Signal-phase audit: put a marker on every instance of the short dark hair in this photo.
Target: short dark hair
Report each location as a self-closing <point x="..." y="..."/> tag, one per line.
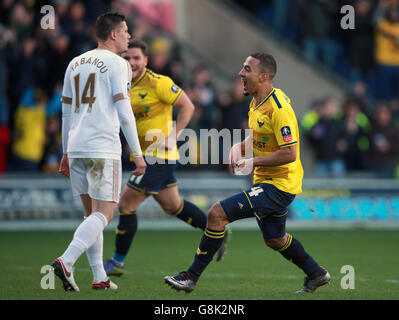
<point x="267" y="64"/>
<point x="137" y="43"/>
<point x="106" y="23"/>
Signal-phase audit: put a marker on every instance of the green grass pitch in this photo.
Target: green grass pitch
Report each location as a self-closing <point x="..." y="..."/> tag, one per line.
<point x="249" y="271"/>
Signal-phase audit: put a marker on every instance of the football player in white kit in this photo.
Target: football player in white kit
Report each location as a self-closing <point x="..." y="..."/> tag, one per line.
<point x="95" y="106"/>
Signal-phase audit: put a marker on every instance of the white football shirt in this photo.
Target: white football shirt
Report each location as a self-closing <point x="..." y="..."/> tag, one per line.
<point x="93" y="82"/>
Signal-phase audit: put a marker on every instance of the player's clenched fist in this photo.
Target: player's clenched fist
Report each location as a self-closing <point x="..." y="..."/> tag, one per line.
<point x="64" y="166"/>
<point x="235" y="155"/>
<point x="140" y="166"/>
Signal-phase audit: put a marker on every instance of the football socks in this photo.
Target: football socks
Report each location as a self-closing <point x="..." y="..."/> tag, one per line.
<point x="125" y="233"/>
<point x="95" y="257"/>
<point x="210" y="243"/>
<point x="294" y="251"/>
<point x="191" y="214"/>
<point x="84" y="237"/>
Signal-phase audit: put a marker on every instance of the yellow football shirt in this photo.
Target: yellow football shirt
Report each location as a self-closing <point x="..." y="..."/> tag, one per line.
<point x="387" y="48"/>
<point x="152" y="98"/>
<point x="274" y="126"/>
<point x="30" y="124"/>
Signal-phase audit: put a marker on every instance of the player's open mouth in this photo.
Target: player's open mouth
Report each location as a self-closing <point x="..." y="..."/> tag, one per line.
<point x="244" y="82"/>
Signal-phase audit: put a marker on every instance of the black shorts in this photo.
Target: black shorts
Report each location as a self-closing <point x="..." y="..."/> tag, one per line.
<point x="156" y="177"/>
<point x="265" y="202"/>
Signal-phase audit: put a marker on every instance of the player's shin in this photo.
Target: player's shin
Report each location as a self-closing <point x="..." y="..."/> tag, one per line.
<point x="210" y="243"/>
<point x="85" y="236"/>
<point x="191" y="214"/>
<point x="95" y="257"/>
<point x="294" y="252"/>
<point x="125" y="232"/>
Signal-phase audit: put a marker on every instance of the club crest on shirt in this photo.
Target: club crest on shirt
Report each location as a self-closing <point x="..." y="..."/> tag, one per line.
<point x="174" y="88"/>
<point x="143" y="95"/>
<point x="286" y="133"/>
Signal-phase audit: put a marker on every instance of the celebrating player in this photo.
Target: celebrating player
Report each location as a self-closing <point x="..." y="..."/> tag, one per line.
<point x="95" y="105"/>
<point x="277" y="178"/>
<point x="153" y="97"/>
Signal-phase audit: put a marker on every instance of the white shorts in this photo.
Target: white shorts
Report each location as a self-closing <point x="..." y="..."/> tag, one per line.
<point x="99" y="178"/>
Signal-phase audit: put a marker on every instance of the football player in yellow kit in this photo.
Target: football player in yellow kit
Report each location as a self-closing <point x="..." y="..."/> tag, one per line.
<point x="153" y="97"/>
<point x="277" y="179"/>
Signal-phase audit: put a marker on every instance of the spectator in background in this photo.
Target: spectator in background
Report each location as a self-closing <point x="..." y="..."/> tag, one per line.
<point x="203" y="96"/>
<point x="29" y="134"/>
<point x="176" y="63"/>
<point x="5" y="11"/>
<point x="387" y="54"/>
<point x="52" y="153"/>
<point x="161" y="60"/>
<point x="54" y="105"/>
<point x="159" y="56"/>
<point x="394" y="106"/>
<point x="286" y="18"/>
<point x="233" y="107"/>
<point x="359" y="93"/>
<point x="61" y="12"/>
<point x="24" y="68"/>
<point x="318" y="18"/>
<point x="356" y="127"/>
<point x="325" y="131"/>
<point x="21" y="20"/>
<point x="77" y="29"/>
<point x="5" y="134"/>
<point x="360" y="42"/>
<point x="5" y="137"/>
<point x="59" y="58"/>
<point x="96" y="8"/>
<point x="384" y="148"/>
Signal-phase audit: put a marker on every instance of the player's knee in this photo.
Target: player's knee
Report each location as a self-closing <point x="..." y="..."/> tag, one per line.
<point x="171" y="207"/>
<point x="216" y="215"/>
<point x="275" y="243"/>
<point x="124" y="205"/>
<point x="171" y="210"/>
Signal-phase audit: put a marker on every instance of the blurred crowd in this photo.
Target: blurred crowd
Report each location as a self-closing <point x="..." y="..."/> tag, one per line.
<point x="346" y="136"/>
<point x="368" y="53"/>
<point x="33" y="61"/>
<point x="360" y="133"/>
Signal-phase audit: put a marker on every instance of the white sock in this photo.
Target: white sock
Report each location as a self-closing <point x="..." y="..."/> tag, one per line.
<point x="95" y="257"/>
<point x="85" y="236"/>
